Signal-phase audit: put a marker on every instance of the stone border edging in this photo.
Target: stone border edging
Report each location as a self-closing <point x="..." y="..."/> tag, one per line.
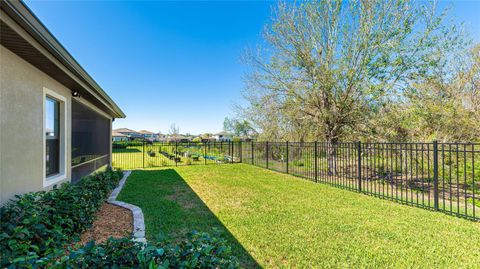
<point x="137" y="214"/>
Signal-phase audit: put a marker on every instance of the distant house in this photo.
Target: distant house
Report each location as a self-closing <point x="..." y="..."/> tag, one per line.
<point x="208" y="139"/>
<point x="222" y="137"/>
<point x="162" y="137"/>
<point x="55" y="119"/>
<point x="131" y="134"/>
<point x="150" y="136"/>
<point x="178" y="138"/>
<point x="116" y="137"/>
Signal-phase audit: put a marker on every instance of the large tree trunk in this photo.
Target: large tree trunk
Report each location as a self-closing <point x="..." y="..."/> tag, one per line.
<point x="332" y="158"/>
<point x="332" y="155"/>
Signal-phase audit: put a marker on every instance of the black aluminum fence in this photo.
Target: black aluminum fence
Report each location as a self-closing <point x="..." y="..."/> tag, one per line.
<point x="437" y="176"/>
<point x="144" y="154"/>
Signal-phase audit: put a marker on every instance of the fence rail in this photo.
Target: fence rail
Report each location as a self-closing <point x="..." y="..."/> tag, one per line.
<point x="437" y="176"/>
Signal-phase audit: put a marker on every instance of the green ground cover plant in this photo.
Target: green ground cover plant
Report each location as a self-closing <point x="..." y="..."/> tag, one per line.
<point x="276" y="220"/>
<point x="39" y="224"/>
<point x="198" y="250"/>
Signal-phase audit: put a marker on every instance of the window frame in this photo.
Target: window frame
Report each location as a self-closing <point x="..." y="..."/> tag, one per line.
<point x="62" y="111"/>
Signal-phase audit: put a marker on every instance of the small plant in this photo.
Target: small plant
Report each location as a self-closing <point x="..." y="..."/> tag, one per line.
<point x="188" y="161"/>
<point x="299" y="163"/>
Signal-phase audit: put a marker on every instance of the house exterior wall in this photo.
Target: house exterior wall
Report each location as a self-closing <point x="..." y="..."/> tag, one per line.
<point x="21" y="120"/>
<point x="23" y="89"/>
<point x="119" y="138"/>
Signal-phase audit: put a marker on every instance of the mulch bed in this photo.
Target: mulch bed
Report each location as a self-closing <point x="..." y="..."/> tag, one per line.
<point x="111" y="221"/>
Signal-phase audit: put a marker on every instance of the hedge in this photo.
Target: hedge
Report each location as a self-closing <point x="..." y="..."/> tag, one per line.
<point x="125" y="144"/>
<point x="40" y="224"/>
<point x="199" y="250"/>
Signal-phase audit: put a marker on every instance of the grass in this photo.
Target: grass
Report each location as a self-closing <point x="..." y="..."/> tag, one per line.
<point x="133" y="157"/>
<point x="277" y="220"/>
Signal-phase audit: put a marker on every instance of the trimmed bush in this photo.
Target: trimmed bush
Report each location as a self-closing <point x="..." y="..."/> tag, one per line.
<point x="119" y="145"/>
<point x="125" y="144"/>
<point x="199" y="250"/>
<point x="40" y="224"/>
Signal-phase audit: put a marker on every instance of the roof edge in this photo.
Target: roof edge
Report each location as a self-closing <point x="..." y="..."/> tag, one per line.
<point x="22" y="14"/>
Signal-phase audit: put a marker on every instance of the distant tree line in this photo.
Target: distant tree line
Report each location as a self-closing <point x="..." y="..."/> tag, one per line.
<point x="389" y="70"/>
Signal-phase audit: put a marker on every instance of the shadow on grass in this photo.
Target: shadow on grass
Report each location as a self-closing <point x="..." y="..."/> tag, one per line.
<point x="172" y="209"/>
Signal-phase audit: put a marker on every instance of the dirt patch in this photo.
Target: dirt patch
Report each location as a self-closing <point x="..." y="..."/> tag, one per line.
<point x="111" y="221"/>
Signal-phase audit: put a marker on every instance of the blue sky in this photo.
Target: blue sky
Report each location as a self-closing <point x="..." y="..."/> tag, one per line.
<point x="172" y="62"/>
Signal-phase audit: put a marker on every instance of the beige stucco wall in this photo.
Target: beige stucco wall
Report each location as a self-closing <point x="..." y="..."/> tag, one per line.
<point x="21" y="125"/>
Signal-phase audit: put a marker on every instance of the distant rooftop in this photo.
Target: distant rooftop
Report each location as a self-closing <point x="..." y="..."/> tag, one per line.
<point x="145" y="132"/>
<point x="117" y="134"/>
<point x="124" y="130"/>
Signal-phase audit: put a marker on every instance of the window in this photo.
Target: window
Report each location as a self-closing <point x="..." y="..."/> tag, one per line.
<point x="52" y="136"/>
<point x="54" y="139"/>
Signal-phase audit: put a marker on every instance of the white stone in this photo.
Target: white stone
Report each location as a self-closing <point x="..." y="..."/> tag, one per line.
<point x="137" y="214"/>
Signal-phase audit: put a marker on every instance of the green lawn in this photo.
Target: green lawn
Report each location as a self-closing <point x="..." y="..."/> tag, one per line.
<point x="134" y="157"/>
<point x="276" y="220"/>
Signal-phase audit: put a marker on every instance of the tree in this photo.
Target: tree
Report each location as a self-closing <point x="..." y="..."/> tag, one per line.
<point x="442" y="106"/>
<point x="238" y="127"/>
<point x="174" y="131"/>
<point x="330" y="66"/>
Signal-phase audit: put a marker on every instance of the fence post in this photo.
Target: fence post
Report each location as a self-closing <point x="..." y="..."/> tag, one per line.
<point x="229" y="148"/>
<point x="266" y="149"/>
<point x="287" y="157"/>
<point x="435" y="175"/>
<point x="176" y="152"/>
<point x="241" y="153"/>
<point x="231" y="152"/>
<point x="143" y="153"/>
<point x="316" y="163"/>
<point x="205" y="152"/>
<point x="359" y="165"/>
<point x="252" y="154"/>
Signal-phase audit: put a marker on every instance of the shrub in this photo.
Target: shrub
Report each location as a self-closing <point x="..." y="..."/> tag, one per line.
<point x="40" y="224"/>
<point x="125" y="144"/>
<point x="188" y="161"/>
<point x="199" y="250"/>
<point x="119" y="145"/>
<point x="222" y="159"/>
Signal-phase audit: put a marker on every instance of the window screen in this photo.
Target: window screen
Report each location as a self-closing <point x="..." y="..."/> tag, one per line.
<point x="90" y="140"/>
